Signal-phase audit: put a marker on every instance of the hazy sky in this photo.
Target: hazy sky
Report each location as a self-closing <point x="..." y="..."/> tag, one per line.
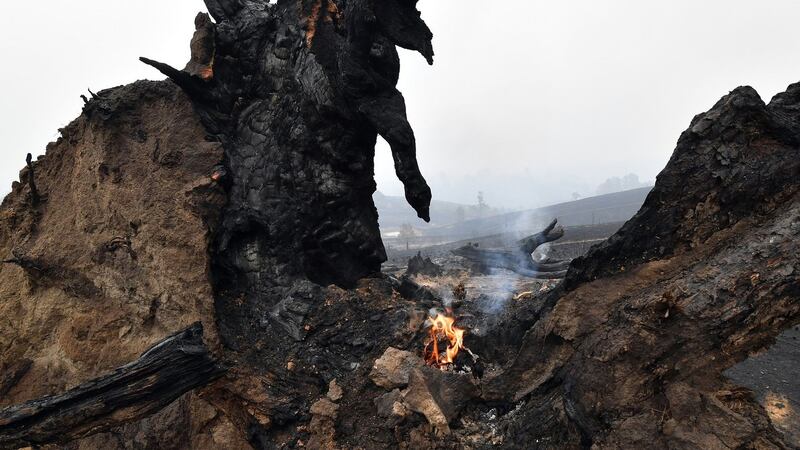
<point x="528" y="100"/>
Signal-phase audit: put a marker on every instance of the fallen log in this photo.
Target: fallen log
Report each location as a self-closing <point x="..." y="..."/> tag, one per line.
<point x="519" y="260"/>
<point x="166" y="371"/>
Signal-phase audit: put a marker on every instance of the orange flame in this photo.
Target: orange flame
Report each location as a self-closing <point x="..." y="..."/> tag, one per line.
<point x="313" y="18"/>
<point x="442" y="327"/>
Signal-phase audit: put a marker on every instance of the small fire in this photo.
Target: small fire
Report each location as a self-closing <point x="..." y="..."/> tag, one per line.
<point x="443" y="329"/>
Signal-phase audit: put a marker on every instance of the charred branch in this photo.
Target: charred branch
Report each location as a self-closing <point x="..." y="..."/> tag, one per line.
<point x="32" y="181"/>
<point x="223" y="9"/>
<point x="520" y="260"/>
<point x="388" y="116"/>
<point x="166" y="371"/>
<point x="424" y="266"/>
<point x="551" y="233"/>
<point x="85" y="99"/>
<point x="192" y="84"/>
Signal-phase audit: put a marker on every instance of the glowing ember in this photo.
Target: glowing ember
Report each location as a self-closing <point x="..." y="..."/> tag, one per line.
<point x="207" y="72"/>
<point x="442" y="329"/>
<point x="312" y="23"/>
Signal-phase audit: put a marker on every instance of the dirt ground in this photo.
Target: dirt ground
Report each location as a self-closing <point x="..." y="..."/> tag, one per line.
<point x="774" y="378"/>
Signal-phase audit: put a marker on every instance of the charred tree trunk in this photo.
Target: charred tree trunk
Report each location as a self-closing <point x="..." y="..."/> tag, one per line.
<point x="298" y="92"/>
<point x="520" y="260"/>
<point x="168" y="370"/>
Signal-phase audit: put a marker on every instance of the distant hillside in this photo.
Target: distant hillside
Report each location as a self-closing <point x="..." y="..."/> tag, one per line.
<point x="602" y="209"/>
<point x="616" y="207"/>
<point x="394" y="211"/>
<point x="576" y="241"/>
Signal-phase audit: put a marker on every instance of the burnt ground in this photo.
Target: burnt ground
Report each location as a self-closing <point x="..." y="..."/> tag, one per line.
<point x="135" y="229"/>
<point x="576" y="241"/>
<point x="332" y="333"/>
<point x="503" y="298"/>
<point x="774" y="377"/>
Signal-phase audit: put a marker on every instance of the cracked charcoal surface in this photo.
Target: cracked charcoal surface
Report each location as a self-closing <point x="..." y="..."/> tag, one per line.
<point x="299" y="93"/>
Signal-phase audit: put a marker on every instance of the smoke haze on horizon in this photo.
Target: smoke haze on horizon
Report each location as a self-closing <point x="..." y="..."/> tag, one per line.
<point x="528" y="101"/>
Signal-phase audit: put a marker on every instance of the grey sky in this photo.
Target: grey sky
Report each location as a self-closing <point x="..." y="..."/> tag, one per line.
<point x="528" y="101"/>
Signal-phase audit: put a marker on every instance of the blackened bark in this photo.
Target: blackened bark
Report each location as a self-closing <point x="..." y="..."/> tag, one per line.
<point x="297" y="92"/>
<point x="169" y="369"/>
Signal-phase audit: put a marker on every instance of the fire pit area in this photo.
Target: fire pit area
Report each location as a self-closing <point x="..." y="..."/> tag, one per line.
<point x="408" y="367"/>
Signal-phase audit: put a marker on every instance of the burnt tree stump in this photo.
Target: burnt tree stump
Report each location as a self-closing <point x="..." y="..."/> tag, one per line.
<point x="297" y="92"/>
<point x="520" y="259"/>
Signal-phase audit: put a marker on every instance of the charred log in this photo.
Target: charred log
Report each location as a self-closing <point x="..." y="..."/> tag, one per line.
<point x="169" y="369"/>
<point x="418" y="265"/>
<point x="520" y="260"/>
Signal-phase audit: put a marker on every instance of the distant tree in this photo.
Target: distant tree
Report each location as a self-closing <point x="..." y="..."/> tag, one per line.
<point x="613" y="184"/>
<point x="407" y="233"/>
<point x="575" y="196"/>
<point x="482" y="206"/>
<point x="461" y="214"/>
<point x="617" y="184"/>
<point x="631" y="181"/>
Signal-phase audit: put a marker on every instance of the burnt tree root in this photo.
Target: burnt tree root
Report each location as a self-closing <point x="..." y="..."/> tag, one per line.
<point x="519" y="260"/>
<point x="171" y="368"/>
